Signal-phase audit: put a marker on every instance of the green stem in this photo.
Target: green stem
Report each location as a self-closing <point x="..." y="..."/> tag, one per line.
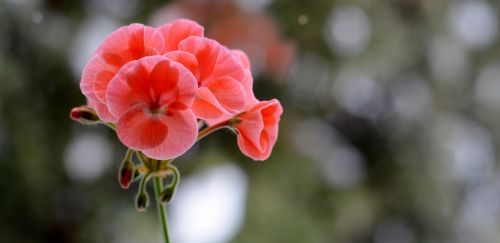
<point x="177" y="176"/>
<point x="142" y="184"/>
<point x="207" y="131"/>
<point x="129" y="154"/>
<point x="158" y="183"/>
<point x="108" y="124"/>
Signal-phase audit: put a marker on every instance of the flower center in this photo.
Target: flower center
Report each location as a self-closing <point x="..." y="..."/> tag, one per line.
<point x="157" y="108"/>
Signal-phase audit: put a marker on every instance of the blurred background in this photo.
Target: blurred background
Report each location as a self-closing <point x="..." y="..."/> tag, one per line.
<point x="390" y="134"/>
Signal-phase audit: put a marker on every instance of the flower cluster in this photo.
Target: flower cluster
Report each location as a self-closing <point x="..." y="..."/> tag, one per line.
<point x="156" y="84"/>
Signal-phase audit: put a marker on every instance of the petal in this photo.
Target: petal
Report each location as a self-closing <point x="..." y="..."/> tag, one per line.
<point x="206" y="52"/>
<point x="221" y="118"/>
<point x="272" y="112"/>
<point x="119" y="95"/>
<point x="101" y="81"/>
<point x="177" y="31"/>
<point x="94" y="66"/>
<point x="227" y="65"/>
<point x="133" y="42"/>
<point x="249" y="149"/>
<point x="140" y="130"/>
<point x="242" y="57"/>
<point x="206" y="105"/>
<point x="247" y="84"/>
<point x="164" y="77"/>
<point x="258" y="130"/>
<point x="138" y="81"/>
<point x="251" y="126"/>
<point x="182" y="134"/>
<point x="229" y="93"/>
<point x="102" y="111"/>
<point x="186" y="59"/>
<point x="214" y="60"/>
<point x="187" y="86"/>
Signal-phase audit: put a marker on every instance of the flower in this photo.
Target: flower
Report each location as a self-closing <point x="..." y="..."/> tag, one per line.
<point x="247" y="85"/>
<point x="219" y="73"/>
<point x="258" y="129"/>
<point x="152" y="97"/>
<point x="124" y="45"/>
<point x="220" y="77"/>
<point x="154" y="83"/>
<point x="258" y="123"/>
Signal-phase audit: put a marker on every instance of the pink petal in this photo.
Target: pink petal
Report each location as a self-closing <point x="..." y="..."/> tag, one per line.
<point x="102" y="111"/>
<point x="249" y="149"/>
<point x="95" y="65"/>
<point x="206" y="52"/>
<point x="101" y="81"/>
<point x="247" y="84"/>
<point x="185" y="58"/>
<point x="182" y="134"/>
<point x="138" y="81"/>
<point x="120" y="97"/>
<point x="229" y="93"/>
<point x="140" y="130"/>
<point x="251" y="126"/>
<point x="206" y="105"/>
<point x="227" y="65"/>
<point x="187" y="86"/>
<point x="250" y="101"/>
<point x="177" y="31"/>
<point x="258" y="130"/>
<point x="242" y="57"/>
<point x="214" y="60"/>
<point x="164" y="77"/>
<point x="133" y="42"/>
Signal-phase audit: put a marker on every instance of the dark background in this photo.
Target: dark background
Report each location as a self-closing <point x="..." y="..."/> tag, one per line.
<point x="390" y="130"/>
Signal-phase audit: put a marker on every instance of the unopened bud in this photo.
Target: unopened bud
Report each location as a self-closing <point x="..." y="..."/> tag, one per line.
<point x="126" y="174"/>
<point x="141" y="201"/>
<point x="167" y="194"/>
<point x="84" y="115"/>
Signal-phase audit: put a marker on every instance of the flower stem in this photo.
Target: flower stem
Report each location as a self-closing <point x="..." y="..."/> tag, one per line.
<point x="162" y="213"/>
<point x="227" y="123"/>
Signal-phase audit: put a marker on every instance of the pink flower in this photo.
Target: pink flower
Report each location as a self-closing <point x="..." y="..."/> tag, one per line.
<point x="151" y="98"/>
<point x="124" y="45"/>
<point x="155" y="82"/>
<point x="247" y="82"/>
<point x="247" y="85"/>
<point x="258" y="129"/>
<point x="220" y="77"/>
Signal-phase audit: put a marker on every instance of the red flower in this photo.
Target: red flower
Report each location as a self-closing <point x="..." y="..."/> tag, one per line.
<point x="124" y="45"/>
<point x="258" y="129"/>
<point x="219" y="73"/>
<point x="155" y="83"/>
<point x="151" y="97"/>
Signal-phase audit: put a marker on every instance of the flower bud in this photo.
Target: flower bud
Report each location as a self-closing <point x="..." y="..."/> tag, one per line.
<point x="84" y="115"/>
<point x="167" y="194"/>
<point x="126" y="174"/>
<point x="141" y="201"/>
